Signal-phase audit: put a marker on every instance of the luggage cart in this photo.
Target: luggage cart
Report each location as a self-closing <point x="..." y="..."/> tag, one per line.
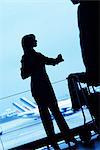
<point x="82" y="94"/>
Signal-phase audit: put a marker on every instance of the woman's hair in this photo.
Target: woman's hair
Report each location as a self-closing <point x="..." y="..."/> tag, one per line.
<point x="27" y="41"/>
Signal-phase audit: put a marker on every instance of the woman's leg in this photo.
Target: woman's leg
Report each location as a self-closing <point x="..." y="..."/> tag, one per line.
<point x="62" y="124"/>
<point x="48" y="125"/>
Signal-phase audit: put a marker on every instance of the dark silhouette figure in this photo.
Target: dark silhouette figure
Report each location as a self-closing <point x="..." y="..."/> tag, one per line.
<point x="88" y="23"/>
<point x="33" y="64"/>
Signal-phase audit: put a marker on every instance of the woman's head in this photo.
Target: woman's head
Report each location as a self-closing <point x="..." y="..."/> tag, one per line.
<point x="29" y="41"/>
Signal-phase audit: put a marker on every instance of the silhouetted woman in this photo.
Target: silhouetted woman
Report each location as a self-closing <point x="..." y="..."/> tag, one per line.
<point x="33" y="64"/>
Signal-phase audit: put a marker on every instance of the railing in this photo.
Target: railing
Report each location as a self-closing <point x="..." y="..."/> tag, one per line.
<point x="19" y="93"/>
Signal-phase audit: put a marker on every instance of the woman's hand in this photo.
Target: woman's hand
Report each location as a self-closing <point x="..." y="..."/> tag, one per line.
<point x="59" y="58"/>
<point x="75" y="1"/>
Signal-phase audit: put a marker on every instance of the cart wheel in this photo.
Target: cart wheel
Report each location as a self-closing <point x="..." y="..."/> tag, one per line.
<point x="85" y="136"/>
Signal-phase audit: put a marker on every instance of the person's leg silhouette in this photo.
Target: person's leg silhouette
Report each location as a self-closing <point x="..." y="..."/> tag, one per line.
<point x="48" y="125"/>
<point x="64" y="128"/>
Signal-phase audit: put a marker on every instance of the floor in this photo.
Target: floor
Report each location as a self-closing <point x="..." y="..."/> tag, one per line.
<point x="94" y="144"/>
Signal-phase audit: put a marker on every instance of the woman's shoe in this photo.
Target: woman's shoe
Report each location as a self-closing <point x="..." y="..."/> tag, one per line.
<point x="56" y="147"/>
<point x="73" y="140"/>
